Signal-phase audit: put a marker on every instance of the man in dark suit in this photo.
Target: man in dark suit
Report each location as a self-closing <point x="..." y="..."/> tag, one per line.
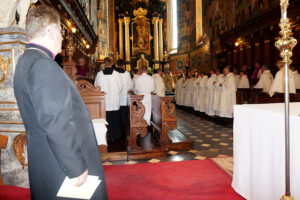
<point x="59" y="131"/>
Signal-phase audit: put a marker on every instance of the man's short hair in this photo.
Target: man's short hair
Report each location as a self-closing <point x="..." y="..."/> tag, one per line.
<point x="38" y="18"/>
<point x="264" y="67"/>
<point x="120" y="63"/>
<point x="107" y="60"/>
<point x="143" y="67"/>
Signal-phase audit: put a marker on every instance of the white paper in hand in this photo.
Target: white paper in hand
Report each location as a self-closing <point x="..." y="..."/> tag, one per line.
<point x="86" y="191"/>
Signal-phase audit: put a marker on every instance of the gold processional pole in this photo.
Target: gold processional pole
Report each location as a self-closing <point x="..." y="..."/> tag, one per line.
<point x="285" y="45"/>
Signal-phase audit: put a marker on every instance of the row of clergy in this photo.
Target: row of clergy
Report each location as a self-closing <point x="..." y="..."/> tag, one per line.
<point x="116" y="82"/>
<point x="216" y="95"/>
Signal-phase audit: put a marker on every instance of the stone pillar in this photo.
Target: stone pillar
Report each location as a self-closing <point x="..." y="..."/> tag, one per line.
<point x="127" y="42"/>
<point x="155" y="33"/>
<point x="70" y="65"/>
<point x="121" y="35"/>
<point x="161" y="43"/>
<point x="13" y="166"/>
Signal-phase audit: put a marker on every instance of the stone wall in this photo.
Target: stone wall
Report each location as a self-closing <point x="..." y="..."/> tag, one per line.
<point x="12" y="45"/>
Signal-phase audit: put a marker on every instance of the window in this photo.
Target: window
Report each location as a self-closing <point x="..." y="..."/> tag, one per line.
<point x="174" y="26"/>
<point x="172" y="33"/>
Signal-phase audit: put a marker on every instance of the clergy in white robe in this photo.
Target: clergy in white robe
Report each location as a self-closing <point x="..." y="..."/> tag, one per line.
<point x="124" y="99"/>
<point x="159" y="85"/>
<point x="228" y="94"/>
<point x="185" y="97"/>
<point x="144" y="85"/>
<point x="237" y="77"/>
<point x="200" y="106"/>
<point x="210" y="93"/>
<point x="278" y="83"/>
<point x="196" y="90"/>
<point x="217" y="92"/>
<point x="244" y="81"/>
<point x="296" y="77"/>
<point x="265" y="80"/>
<point x="110" y="82"/>
<point x="190" y="92"/>
<point x="179" y="88"/>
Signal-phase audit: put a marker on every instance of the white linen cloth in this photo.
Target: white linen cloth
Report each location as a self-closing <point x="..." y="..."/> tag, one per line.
<point x="265" y="81"/>
<point x="112" y="85"/>
<point x="258" y="151"/>
<point x="144" y="85"/>
<point x="100" y="130"/>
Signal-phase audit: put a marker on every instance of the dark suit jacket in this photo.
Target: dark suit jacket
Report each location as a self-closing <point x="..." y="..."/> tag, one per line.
<point x="59" y="131"/>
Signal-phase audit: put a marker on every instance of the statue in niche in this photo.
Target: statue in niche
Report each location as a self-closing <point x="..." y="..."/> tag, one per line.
<point x="8" y="11"/>
<point x="140" y="33"/>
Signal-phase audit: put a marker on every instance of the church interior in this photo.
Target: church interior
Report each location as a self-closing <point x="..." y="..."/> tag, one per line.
<point x="226" y="125"/>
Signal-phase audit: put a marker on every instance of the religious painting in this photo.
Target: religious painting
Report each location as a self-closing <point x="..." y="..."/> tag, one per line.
<point x="140" y="33"/>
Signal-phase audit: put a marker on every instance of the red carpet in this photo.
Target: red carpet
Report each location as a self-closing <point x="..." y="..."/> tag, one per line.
<point x="187" y="180"/>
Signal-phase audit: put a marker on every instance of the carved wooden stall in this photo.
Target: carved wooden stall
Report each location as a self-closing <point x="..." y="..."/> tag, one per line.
<point x="94" y="101"/>
<point x="164" y="121"/>
<point x="256" y="96"/>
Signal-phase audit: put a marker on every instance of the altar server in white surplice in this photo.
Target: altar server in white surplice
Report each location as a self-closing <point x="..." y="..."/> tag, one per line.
<point x="196" y="90"/>
<point x="159" y="85"/>
<point x="296" y="77"/>
<point x="144" y="85"/>
<point x="179" y="88"/>
<point x="124" y="98"/>
<point x="228" y="94"/>
<point x="110" y="82"/>
<point x="278" y="83"/>
<point x="210" y="93"/>
<point x="265" y="80"/>
<point x="217" y="92"/>
<point x="237" y="76"/>
<point x="185" y="97"/>
<point x="244" y="81"/>
<point x="202" y="94"/>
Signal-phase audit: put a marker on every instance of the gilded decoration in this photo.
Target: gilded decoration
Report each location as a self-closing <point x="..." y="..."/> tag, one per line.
<point x="19" y="149"/>
<point x="4" y="68"/>
<point x="142" y="61"/>
<point x="140" y="28"/>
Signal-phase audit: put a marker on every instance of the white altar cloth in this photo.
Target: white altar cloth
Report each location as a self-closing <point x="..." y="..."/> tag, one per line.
<point x="259" y="152"/>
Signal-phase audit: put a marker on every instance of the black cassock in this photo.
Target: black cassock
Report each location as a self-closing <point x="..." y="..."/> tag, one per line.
<point x="59" y="131"/>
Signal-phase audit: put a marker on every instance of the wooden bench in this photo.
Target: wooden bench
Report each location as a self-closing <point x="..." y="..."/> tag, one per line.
<point x="256" y="96"/>
<point x="94" y="100"/>
<point x="247" y="96"/>
<point x="164" y="121"/>
<point x="138" y="126"/>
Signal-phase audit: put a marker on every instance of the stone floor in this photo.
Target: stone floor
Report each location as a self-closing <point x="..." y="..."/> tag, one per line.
<point x="211" y="139"/>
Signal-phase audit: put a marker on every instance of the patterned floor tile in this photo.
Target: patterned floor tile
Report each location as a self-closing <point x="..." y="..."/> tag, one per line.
<point x="172" y="152"/>
<point x="107" y="163"/>
<point x="131" y="162"/>
<point x="193" y="151"/>
<point x="205" y="145"/>
<point x="153" y="161"/>
<point x="200" y="158"/>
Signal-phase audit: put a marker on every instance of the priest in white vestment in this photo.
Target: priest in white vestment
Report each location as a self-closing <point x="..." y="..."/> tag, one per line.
<point x="278" y="83"/>
<point x="210" y="93"/>
<point x="196" y="90"/>
<point x="200" y="106"/>
<point x="296" y="77"/>
<point x="265" y="80"/>
<point x="217" y="92"/>
<point x="191" y="89"/>
<point x="179" y="88"/>
<point x="244" y="81"/>
<point x="228" y="94"/>
<point x="110" y="82"/>
<point x="144" y="85"/>
<point x="185" y="92"/>
<point x="237" y="77"/>
<point x="159" y="85"/>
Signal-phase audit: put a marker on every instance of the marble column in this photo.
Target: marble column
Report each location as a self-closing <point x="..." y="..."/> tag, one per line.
<point x="121" y="35"/>
<point x="127" y="41"/>
<point x="155" y="33"/>
<point x="13" y="166"/>
<point x="161" y="43"/>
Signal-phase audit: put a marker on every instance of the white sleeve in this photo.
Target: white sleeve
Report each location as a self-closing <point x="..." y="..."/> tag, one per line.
<point x="129" y="81"/>
<point x="96" y="83"/>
